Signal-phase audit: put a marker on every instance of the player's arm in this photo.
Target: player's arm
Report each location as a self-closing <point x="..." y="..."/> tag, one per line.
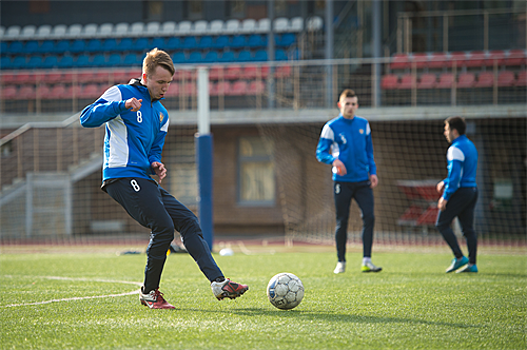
<point x="453" y="180"/>
<point x="154" y="156"/>
<point x="107" y="107"/>
<point x="324" y="146"/>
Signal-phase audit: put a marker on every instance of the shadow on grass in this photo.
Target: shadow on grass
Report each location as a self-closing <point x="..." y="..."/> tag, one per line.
<point x="330" y="317"/>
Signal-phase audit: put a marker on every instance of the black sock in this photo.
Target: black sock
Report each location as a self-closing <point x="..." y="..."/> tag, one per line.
<point x="219" y="279"/>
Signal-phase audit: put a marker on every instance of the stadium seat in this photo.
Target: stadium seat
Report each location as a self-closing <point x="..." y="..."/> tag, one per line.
<point x="195" y="57"/>
<point x="227" y="56"/>
<point x="74" y="31"/>
<point x="280" y="25"/>
<point x="239" y="88"/>
<point x="120" y="76"/>
<point x="297" y="24"/>
<point x="90" y="91"/>
<point x="52" y="77"/>
<point x="256" y="40"/>
<point x="459" y="58"/>
<point x="99" y="60"/>
<point x="221" y="42"/>
<point x="446" y="80"/>
<point x="216" y="27"/>
<point x="256" y="87"/>
<point x="43" y="92"/>
<point x="18" y="62"/>
<point x="282" y="71"/>
<point x="496" y="57"/>
<point x="159" y="42"/>
<point x="9" y="92"/>
<point x="437" y="60"/>
<point x="59" y="91"/>
<point x="3" y="47"/>
<point x="420" y="60"/>
<point x="78" y="46"/>
<point x="173" y="43"/>
<point x="522" y="79"/>
<point x="248" y="26"/>
<point x="516" y="58"/>
<point x="50" y="62"/>
<point x="26" y="78"/>
<point x="215" y="73"/>
<point x="280" y="55"/>
<point x="244" y="56"/>
<point x="466" y="80"/>
<point x="205" y="42"/>
<point x="179" y="57"/>
<point x="485" y="79"/>
<point x="400" y="61"/>
<point x="389" y="81"/>
<point x="168" y="28"/>
<point x="427" y="81"/>
<point x="200" y="27"/>
<point x="114" y="60"/>
<point x="506" y="78"/>
<point x="260" y="56"/>
<point x="65" y="61"/>
<point x="476" y="59"/>
<point x="121" y="29"/>
<point x="9" y="78"/>
<point x="238" y="41"/>
<point x="223" y="88"/>
<point x="125" y="45"/>
<point x="189" y="43"/>
<point x="232" y="26"/>
<point x="210" y="57"/>
<point x="83" y="61"/>
<point x="141" y="44"/>
<point x="136" y="29"/>
<point x="62" y="46"/>
<point x="13" y="32"/>
<point x="184" y="27"/>
<point x="173" y="90"/>
<point x="286" y="40"/>
<point x="90" y="30"/>
<point x="30" y="47"/>
<point x="105" y="30"/>
<point x="16" y="47"/>
<point x="109" y="45"/>
<point x="152" y="29"/>
<point x="130" y="59"/>
<point x="26" y="92"/>
<point x="28" y="32"/>
<point x="314" y="23"/>
<point x="6" y="63"/>
<point x="264" y="25"/>
<point x="34" y="62"/>
<point x="233" y="72"/>
<point x="94" y="45"/>
<point x="47" y="46"/>
<point x="407" y="82"/>
<point x="59" y="31"/>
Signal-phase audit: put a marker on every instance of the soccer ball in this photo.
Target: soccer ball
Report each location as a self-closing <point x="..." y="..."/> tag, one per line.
<point x="285" y="291"/>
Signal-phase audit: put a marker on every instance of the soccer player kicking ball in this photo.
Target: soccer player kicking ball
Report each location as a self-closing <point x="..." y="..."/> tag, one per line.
<point x="136" y="124"/>
<point x="460" y="194"/>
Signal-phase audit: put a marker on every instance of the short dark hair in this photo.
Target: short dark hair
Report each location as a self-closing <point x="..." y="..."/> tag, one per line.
<point x="457" y="123"/>
<point x="347" y="93"/>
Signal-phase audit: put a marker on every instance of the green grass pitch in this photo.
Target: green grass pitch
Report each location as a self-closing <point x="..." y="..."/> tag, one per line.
<point x="412" y="304"/>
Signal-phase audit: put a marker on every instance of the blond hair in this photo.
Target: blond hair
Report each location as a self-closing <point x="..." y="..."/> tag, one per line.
<point x="155" y="58"/>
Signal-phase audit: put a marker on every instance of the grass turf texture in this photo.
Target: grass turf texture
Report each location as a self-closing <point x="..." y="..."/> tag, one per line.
<point x="412" y="304"/>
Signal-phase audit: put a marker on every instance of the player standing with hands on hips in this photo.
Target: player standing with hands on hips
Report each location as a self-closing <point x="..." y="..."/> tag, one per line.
<point x="460" y="194"/>
<point x="136" y="124"/>
<point x="345" y="143"/>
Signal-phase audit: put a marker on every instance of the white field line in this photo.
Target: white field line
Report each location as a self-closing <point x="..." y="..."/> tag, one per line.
<point x="76" y="298"/>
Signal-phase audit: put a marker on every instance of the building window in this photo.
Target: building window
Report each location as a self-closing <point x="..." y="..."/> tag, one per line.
<point x="256" y="185"/>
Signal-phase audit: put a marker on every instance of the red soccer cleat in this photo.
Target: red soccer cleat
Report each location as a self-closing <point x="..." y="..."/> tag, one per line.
<point x="228" y="289"/>
<point x="154" y="300"/>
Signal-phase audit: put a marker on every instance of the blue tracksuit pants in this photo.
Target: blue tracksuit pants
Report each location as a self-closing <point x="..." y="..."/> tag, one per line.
<point x="154" y="208"/>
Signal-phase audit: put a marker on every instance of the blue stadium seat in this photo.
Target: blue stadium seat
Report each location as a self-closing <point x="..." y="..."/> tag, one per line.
<point x="260" y="56"/>
<point x="62" y="46"/>
<point x="19" y="62"/>
<point x="83" y="61"/>
<point x="221" y="42"/>
<point x="286" y="40"/>
<point x="257" y="40"/>
<point x="31" y="47"/>
<point x="16" y="47"/>
<point x="78" y="46"/>
<point x="244" y="56"/>
<point x="50" y="62"/>
<point x="94" y="45"/>
<point x="114" y="60"/>
<point x="280" y="55"/>
<point x="195" y="57"/>
<point x="3" y="47"/>
<point x="130" y="59"/>
<point x="210" y="57"/>
<point x="65" y="61"/>
<point x="109" y="45"/>
<point x="5" y="63"/>
<point x="99" y="60"/>
<point x="189" y="43"/>
<point x="126" y="44"/>
<point x="238" y="41"/>
<point x="34" y="62"/>
<point x="173" y="43"/>
<point x="47" y="46"/>
<point x="160" y="43"/>
<point x="179" y="57"/>
<point x="141" y="44"/>
<point x="227" y="56"/>
<point x="205" y="42"/>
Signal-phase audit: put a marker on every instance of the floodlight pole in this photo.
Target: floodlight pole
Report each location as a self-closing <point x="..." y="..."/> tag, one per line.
<point x="204" y="157"/>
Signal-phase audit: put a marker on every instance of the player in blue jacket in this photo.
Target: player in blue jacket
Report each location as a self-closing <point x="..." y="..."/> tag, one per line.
<point x="345" y="143"/>
<point x="460" y="194"/>
<point x="136" y="124"/>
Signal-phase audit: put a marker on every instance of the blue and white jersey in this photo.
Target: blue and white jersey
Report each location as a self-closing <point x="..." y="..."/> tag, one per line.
<point x="462" y="158"/>
<point x="133" y="140"/>
<point x="348" y="140"/>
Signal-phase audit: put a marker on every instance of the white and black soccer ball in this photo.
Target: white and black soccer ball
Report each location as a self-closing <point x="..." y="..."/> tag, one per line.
<point x="285" y="291"/>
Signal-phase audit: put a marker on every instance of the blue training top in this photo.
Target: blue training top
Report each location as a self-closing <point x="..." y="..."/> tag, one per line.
<point x="133" y="140"/>
<point x="462" y="158"/>
<point x="348" y="140"/>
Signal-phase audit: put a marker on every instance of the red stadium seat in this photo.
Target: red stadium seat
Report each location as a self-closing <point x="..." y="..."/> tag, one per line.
<point x="188" y="89"/>
<point x="9" y="92"/>
<point x="458" y="57"/>
<point x="69" y="77"/>
<point x="446" y="80"/>
<point x="466" y="80"/>
<point x="400" y="61"/>
<point x="282" y="71"/>
<point x="438" y="60"/>
<point x="102" y="76"/>
<point x="239" y="88"/>
<point x="506" y="78"/>
<point x="522" y="78"/>
<point x="249" y="72"/>
<point x="420" y="59"/>
<point x="516" y="58"/>
<point x="27" y="92"/>
<point x="9" y="78"/>
<point x="476" y="59"/>
<point x="173" y="90"/>
<point x="485" y="79"/>
<point x="43" y="92"/>
<point x="223" y="88"/>
<point x="91" y="91"/>
<point x="389" y="82"/>
<point x="233" y="72"/>
<point x="256" y="87"/>
<point x="85" y="77"/>
<point x="26" y="78"/>
<point x="216" y="73"/>
<point x="496" y="56"/>
<point x="407" y="82"/>
<point x="52" y="78"/>
<point x="59" y="91"/>
<point x="121" y="76"/>
<point x="427" y="81"/>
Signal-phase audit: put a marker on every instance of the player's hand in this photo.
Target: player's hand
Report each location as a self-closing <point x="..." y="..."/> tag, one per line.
<point x="374" y="181"/>
<point x="133" y="103"/>
<point x="440" y="186"/>
<point x="160" y="170"/>
<point x="441" y="204"/>
<point x="341" y="168"/>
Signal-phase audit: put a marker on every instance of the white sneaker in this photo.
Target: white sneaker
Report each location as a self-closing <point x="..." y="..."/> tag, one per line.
<point x="369" y="267"/>
<point x="341" y="267"/>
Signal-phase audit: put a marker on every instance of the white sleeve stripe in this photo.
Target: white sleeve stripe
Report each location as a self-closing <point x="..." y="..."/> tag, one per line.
<point x="368" y="130"/>
<point x="327" y="133"/>
<point x="455" y="153"/>
<point x="112" y="94"/>
<point x="165" y="127"/>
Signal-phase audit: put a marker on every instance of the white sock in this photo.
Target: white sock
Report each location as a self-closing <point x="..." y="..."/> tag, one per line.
<point x="366" y="260"/>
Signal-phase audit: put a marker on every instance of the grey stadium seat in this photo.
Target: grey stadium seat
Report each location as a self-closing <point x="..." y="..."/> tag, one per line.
<point x="59" y="31"/>
<point x="152" y="28"/>
<point x="136" y="29"/>
<point x="28" y="32"/>
<point x="168" y="28"/>
<point x="216" y="27"/>
<point x="90" y="30"/>
<point x="281" y="25"/>
<point x="105" y="30"/>
<point x="121" y="29"/>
